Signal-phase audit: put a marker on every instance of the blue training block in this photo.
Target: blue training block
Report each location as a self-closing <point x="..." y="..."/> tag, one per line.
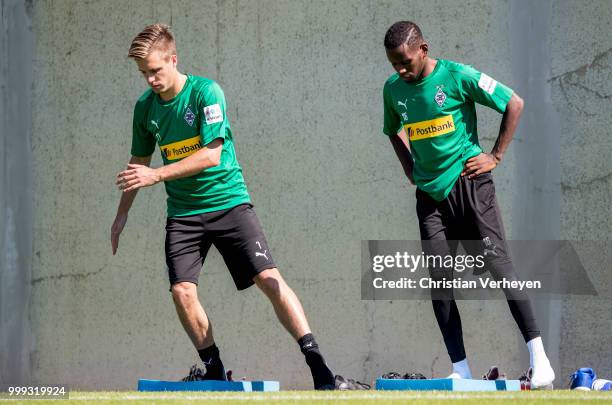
<point x="244" y="386"/>
<point x="157" y="385"/>
<point x="265" y="386"/>
<point x="448" y="384"/>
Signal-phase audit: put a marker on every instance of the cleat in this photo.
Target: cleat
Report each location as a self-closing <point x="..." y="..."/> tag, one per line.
<point x="525" y="380"/>
<point x="343" y="384"/>
<point x="582" y="379"/>
<point x="494" y="374"/>
<point x="392" y="375"/>
<point x="198" y="374"/>
<point x="195" y="374"/>
<point x="601" y="385"/>
<point x="414" y="376"/>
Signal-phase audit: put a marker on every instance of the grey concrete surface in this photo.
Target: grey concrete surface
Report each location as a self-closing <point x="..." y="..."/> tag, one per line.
<point x="581" y="87"/>
<point x="303" y="82"/>
<point x="537" y="142"/>
<point x="16" y="54"/>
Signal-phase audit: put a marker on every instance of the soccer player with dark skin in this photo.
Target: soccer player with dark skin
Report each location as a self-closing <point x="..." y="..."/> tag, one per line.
<point x="208" y="202"/>
<point x="432" y="102"/>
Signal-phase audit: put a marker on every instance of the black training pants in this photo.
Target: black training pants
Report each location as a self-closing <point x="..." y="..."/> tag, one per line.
<point x="469" y="214"/>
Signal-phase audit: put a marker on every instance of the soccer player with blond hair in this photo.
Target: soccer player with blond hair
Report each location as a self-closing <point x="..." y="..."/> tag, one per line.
<point x="208" y="202"/>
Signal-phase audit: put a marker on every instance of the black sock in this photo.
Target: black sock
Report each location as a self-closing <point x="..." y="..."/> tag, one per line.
<point x="321" y="374"/>
<point x="212" y="362"/>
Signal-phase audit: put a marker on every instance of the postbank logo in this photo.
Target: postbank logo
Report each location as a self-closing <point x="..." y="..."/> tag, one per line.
<point x="430" y="128"/>
<point x="182" y="149"/>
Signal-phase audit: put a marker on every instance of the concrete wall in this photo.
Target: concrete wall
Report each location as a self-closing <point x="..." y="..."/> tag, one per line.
<point x="303" y="82"/>
<point x="581" y="90"/>
<point x="16" y="51"/>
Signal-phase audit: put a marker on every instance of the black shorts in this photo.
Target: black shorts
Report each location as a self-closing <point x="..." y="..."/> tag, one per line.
<point x="469" y="214"/>
<point x="235" y="232"/>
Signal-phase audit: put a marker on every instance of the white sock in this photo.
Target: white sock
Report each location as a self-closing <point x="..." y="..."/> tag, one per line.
<point x="543" y="374"/>
<point x="536" y="351"/>
<point x="461" y="369"/>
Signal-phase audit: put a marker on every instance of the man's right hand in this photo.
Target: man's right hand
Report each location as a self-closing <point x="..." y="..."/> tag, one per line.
<point x="116" y="229"/>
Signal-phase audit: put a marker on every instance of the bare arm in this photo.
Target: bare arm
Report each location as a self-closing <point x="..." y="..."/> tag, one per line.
<point x="510" y="121"/>
<point x="488" y="161"/>
<point x="403" y="154"/>
<point x="125" y="203"/>
<point x="137" y="176"/>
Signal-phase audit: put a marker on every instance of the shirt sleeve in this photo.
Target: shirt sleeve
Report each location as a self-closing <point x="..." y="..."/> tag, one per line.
<point x="143" y="142"/>
<point x="483" y="89"/>
<point x="213" y="117"/>
<point x="392" y="121"/>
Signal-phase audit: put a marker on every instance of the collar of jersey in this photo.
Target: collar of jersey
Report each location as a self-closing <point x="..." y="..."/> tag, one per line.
<point x="187" y="84"/>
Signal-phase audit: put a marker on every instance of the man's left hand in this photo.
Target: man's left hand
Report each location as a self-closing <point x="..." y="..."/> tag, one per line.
<point x="137" y="176"/>
<point x="485" y="162"/>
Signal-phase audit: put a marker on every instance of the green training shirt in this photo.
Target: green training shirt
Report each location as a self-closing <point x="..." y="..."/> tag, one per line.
<point x="439" y="116"/>
<point x="181" y="127"/>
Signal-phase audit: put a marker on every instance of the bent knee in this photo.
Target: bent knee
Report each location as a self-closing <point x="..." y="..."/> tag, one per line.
<point x="270" y="281"/>
<point x="184" y="292"/>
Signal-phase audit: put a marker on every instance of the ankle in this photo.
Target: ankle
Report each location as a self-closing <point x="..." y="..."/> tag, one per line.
<point x="462" y="368"/>
<point x="537" y="354"/>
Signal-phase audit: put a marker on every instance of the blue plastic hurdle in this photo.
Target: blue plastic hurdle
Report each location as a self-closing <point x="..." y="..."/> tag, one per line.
<point x="244" y="386"/>
<point x="448" y="384"/>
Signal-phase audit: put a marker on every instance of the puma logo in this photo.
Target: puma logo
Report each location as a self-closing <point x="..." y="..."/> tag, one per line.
<point x="403" y="104"/>
<point x="261" y="254"/>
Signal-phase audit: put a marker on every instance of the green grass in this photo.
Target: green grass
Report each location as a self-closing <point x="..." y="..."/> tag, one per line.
<point x="337" y="397"/>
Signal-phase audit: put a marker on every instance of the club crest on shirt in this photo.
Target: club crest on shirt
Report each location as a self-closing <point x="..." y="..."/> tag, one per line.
<point x="440" y="97"/>
<point x="189" y="117"/>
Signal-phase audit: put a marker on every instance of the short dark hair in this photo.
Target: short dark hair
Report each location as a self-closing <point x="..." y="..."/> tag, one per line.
<point x="403" y="32"/>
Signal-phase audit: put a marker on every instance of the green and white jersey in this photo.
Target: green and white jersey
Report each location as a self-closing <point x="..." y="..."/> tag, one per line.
<point x="181" y="127"/>
<point x="439" y="116"/>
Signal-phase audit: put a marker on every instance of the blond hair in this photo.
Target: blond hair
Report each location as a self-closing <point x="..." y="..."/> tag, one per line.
<point x="154" y="37"/>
